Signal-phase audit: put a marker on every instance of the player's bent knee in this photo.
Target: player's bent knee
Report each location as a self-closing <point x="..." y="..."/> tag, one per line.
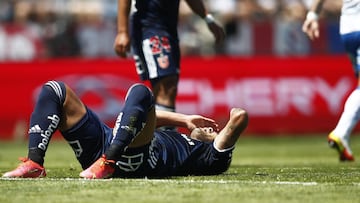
<point x="140" y="93"/>
<point x="139" y="89"/>
<point x="53" y="89"/>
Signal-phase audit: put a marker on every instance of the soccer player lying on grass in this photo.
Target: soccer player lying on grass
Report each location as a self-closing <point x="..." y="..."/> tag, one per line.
<point x="133" y="148"/>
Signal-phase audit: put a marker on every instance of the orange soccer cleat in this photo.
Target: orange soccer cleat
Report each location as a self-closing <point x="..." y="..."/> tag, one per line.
<point x="101" y="169"/>
<point x="342" y="147"/>
<point x="26" y="169"/>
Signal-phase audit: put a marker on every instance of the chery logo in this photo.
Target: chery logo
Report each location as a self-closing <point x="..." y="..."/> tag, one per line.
<point x="260" y="96"/>
<point x="264" y="96"/>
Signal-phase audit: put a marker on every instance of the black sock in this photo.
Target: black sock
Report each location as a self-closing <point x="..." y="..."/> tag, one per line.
<point x="45" y="119"/>
<point x="131" y="120"/>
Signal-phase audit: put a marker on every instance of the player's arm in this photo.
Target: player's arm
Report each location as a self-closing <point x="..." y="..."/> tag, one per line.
<point x="311" y="24"/>
<point x="166" y="118"/>
<point x="122" y="40"/>
<point x="198" y="7"/>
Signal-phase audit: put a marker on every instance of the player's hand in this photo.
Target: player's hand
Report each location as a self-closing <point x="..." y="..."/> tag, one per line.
<point x="197" y="121"/>
<point x="217" y="31"/>
<point x="311" y="28"/>
<point x="122" y="44"/>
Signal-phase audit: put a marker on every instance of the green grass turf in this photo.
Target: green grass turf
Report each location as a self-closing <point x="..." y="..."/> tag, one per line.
<point x="264" y="169"/>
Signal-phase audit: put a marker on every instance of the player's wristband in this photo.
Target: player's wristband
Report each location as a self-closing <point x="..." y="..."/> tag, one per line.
<point x="209" y="19"/>
<point x="311" y="15"/>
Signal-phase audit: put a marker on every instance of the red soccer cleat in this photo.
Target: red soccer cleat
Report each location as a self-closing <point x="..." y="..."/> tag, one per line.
<point x="26" y="169"/>
<point x="341" y="146"/>
<point x="101" y="169"/>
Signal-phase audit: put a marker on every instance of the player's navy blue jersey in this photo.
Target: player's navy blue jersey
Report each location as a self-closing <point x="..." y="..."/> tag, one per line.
<point x="170" y="153"/>
<point x="182" y="155"/>
<point x="157" y="14"/>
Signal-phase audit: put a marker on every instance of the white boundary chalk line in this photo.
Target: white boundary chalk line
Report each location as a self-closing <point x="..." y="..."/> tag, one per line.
<point x="192" y="181"/>
<point x="177" y="181"/>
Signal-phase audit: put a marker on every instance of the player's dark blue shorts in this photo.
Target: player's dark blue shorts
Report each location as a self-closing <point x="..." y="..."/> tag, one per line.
<point x="156" y="52"/>
<point x="170" y="153"/>
<point x="89" y="139"/>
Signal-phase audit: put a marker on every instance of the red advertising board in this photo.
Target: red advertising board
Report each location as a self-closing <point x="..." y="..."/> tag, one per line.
<point x="282" y="95"/>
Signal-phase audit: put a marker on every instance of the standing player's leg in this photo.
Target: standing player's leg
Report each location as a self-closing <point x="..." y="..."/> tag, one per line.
<point x="134" y="127"/>
<point x="158" y="60"/>
<point x="165" y="91"/>
<point x="57" y="107"/>
<point x="339" y="138"/>
<point x="164" y="76"/>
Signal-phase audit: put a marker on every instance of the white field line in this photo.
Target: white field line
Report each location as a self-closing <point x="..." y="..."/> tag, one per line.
<point x="240" y="182"/>
<point x="174" y="181"/>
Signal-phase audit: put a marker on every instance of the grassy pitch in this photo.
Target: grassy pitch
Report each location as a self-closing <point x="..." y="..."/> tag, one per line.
<point x="264" y="169"/>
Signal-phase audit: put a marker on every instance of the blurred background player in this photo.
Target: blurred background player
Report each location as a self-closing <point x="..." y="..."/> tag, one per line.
<point x="339" y="138"/>
<point x="155" y="43"/>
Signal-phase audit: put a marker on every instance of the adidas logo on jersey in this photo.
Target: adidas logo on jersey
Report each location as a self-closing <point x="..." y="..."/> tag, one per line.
<point x="35" y="129"/>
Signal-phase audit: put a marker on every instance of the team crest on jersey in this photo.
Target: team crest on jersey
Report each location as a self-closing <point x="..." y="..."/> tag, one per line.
<point x="130" y="163"/>
<point x="163" y="61"/>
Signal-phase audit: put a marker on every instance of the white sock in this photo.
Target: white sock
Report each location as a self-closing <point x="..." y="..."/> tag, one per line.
<point x="350" y="116"/>
<point x="164" y="108"/>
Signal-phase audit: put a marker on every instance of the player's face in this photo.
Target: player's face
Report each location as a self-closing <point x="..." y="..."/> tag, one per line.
<point x="205" y="134"/>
